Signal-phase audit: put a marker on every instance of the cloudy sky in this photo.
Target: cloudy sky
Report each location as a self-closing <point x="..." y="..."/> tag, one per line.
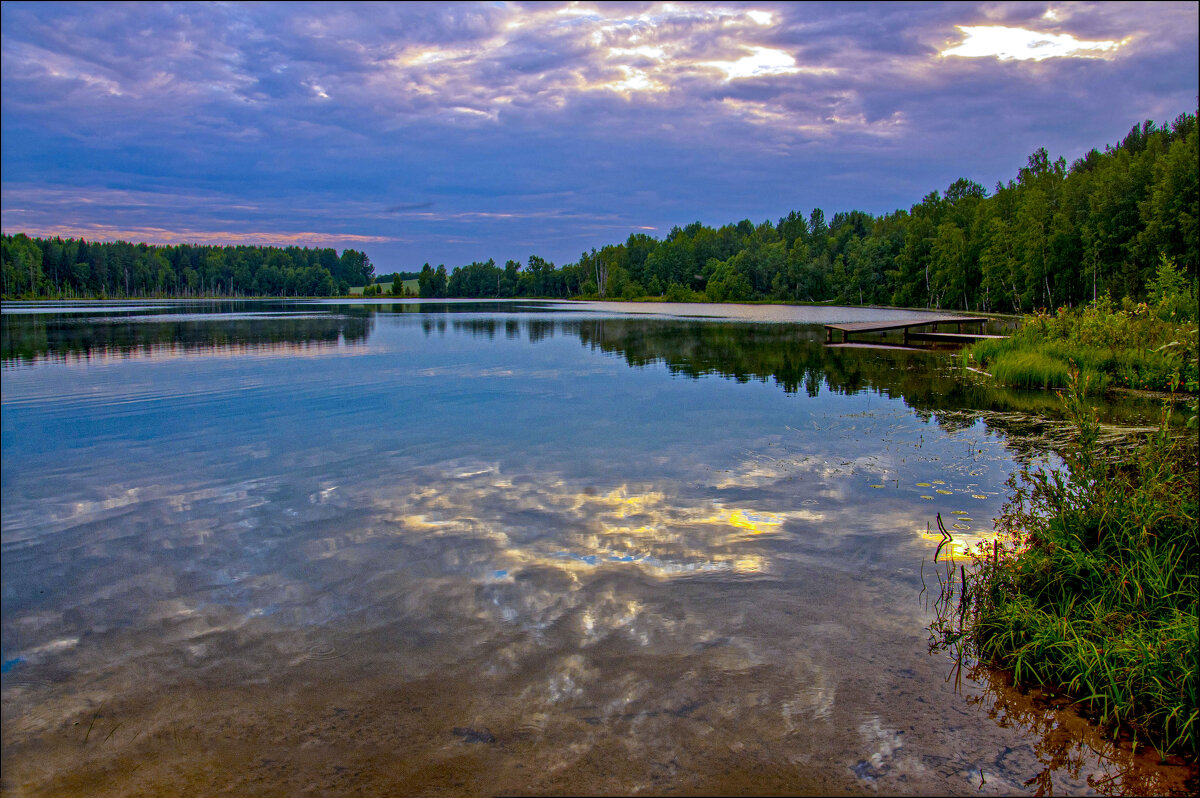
<point x="451" y="132"/>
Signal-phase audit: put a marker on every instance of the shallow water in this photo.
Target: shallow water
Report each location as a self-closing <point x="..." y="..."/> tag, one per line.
<point x="504" y="547"/>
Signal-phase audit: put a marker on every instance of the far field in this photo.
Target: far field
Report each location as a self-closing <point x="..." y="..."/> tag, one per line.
<point x="386" y="288"/>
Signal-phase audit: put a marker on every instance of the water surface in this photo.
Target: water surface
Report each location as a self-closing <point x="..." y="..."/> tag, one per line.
<point x="507" y="547"/>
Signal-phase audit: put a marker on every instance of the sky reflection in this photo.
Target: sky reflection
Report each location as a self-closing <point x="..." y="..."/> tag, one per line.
<point x="454" y="537"/>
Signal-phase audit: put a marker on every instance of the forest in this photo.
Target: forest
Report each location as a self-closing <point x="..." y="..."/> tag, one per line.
<point x="70" y="269"/>
<point x="1055" y="235"/>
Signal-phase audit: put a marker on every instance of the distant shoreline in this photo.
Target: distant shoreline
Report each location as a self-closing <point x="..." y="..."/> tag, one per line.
<point x="385" y="299"/>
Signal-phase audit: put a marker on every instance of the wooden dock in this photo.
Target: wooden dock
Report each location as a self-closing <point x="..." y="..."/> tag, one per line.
<point x="908" y="326"/>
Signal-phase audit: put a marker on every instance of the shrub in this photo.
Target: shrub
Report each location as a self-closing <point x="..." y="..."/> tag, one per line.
<point x="681" y="293"/>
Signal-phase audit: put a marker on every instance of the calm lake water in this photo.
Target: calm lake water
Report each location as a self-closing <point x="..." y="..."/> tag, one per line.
<point x="414" y="547"/>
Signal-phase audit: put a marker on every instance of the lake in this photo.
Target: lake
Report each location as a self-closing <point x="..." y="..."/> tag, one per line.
<point x="508" y="547"/>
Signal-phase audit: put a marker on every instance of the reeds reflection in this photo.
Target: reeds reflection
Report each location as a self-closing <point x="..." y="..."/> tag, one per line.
<point x="1066" y="742"/>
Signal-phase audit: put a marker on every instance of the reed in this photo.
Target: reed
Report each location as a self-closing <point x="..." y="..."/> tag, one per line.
<point x="1049" y="367"/>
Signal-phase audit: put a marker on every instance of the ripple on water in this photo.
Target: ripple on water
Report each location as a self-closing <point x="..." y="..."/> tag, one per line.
<point x="531" y="727"/>
<point x="21" y="705"/>
<point x="320" y="652"/>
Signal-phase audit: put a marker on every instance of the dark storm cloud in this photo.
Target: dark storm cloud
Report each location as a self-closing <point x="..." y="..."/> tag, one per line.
<point x="572" y="125"/>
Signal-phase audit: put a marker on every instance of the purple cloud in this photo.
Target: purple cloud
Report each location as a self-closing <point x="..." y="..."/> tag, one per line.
<point x="453" y="132"/>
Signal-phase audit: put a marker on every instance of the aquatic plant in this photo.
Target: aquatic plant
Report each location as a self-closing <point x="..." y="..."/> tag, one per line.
<point x="1094" y="590"/>
<point x="1045" y="367"/>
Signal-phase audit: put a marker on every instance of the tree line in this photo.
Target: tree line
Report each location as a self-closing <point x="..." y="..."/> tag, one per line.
<point x="53" y="267"/>
<point x="1054" y="235"/>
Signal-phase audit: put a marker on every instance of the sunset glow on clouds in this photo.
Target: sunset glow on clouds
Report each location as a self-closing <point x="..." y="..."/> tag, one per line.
<point x="453" y="132"/>
<point x="1006" y="44"/>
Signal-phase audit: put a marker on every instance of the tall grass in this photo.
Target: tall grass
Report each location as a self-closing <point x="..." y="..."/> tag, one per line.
<point x="1095" y="591"/>
<point x="1048" y="366"/>
<point x="1137" y="345"/>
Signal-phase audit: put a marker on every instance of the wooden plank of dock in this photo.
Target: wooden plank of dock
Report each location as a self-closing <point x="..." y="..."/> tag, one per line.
<point x="954" y="338"/>
<point x="906" y="325"/>
<point x="871" y="345"/>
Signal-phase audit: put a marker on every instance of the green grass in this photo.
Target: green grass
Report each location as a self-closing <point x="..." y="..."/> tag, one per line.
<point x="386" y="288"/>
<point x="1095" y="592"/>
<point x="1046" y="367"/>
<point x="1136" y="346"/>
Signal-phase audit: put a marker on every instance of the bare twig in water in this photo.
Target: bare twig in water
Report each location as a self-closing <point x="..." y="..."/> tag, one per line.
<point x="114" y="731"/>
<point x="946" y="536"/>
<point x="90" y="725"/>
<point x="922" y="593"/>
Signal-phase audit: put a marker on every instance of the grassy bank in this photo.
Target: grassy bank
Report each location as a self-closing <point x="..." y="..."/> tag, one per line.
<point x="1150" y="345"/>
<point x="1094" y="594"/>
